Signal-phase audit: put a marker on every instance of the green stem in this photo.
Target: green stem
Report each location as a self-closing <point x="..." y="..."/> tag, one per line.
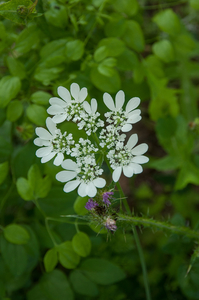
<point x="159" y="225"/>
<point x="141" y="255"/>
<point x="163" y="5"/>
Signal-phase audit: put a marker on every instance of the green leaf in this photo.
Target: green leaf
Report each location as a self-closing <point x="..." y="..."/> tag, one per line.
<point x="4" y="168"/>
<point x="52" y="286"/>
<point x="164" y="50"/>
<point x="37" y="114"/>
<point x="67" y="256"/>
<point x="16" y="68"/>
<point x="57" y="15"/>
<point x="41" y="186"/>
<point x="116" y="28"/>
<point x="100" y="53"/>
<point x="127" y="60"/>
<point x="40" y="98"/>
<point x="189" y="283"/>
<point x="53" y="53"/>
<point x="14" y="256"/>
<point x="75" y="49"/>
<point x="9" y="87"/>
<point x="105" y="84"/>
<point x="133" y="36"/>
<point x="102" y="271"/>
<point x="184" y="44"/>
<point x="79" y="205"/>
<point x="16" y="234"/>
<point x="168" y="21"/>
<point x="24" y="189"/>
<point x="9" y="10"/>
<point x="106" y="67"/>
<point x="128" y="7"/>
<point x="194" y="4"/>
<point x="82" y="284"/>
<point x="113" y="45"/>
<point x="50" y="260"/>
<point x="27" y="39"/>
<point x="14" y="110"/>
<point x="46" y="75"/>
<point x="189" y="173"/>
<point x="166" y="163"/>
<point x="81" y="244"/>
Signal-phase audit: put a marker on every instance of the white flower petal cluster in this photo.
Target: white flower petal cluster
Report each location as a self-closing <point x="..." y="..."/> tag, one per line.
<point x="128" y="159"/>
<point x="52" y="143"/>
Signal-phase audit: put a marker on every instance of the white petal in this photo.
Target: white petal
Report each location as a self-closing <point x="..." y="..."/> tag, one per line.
<point x="140" y="159"/>
<point x="51" y="125"/>
<point x="126" y="128"/>
<point x="119" y="99"/>
<point x="132" y="141"/>
<point x="39" y="142"/>
<point x="137" y="169"/>
<point x="134" y="119"/>
<point x="140" y="149"/>
<point x="117" y="173"/>
<point x="99" y="182"/>
<point x="83" y="94"/>
<point x="132" y="104"/>
<point x="82" y="189"/>
<point x="55" y="109"/>
<point x="48" y="157"/>
<point x="134" y="112"/>
<point x="44" y="151"/>
<point x="43" y="133"/>
<point x="128" y="171"/>
<point x="74" y="89"/>
<point x="91" y="190"/>
<point x="57" y="101"/>
<point x="69" y="164"/>
<point x="71" y="185"/>
<point x="93" y="105"/>
<point x="58" y="159"/>
<point x="59" y="118"/>
<point x="108" y="101"/>
<point x="64" y="93"/>
<point x="65" y="176"/>
<point x="87" y="107"/>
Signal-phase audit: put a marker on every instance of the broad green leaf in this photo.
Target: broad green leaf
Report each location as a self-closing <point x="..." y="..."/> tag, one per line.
<point x="166" y="163"/>
<point x="40" y="98"/>
<point x="164" y="50"/>
<point x="67" y="256"/>
<point x="11" y="10"/>
<point x="184" y="44"/>
<point x="102" y="271"/>
<point x="52" y="286"/>
<point x="168" y="21"/>
<point x="16" y="234"/>
<point x="9" y="88"/>
<point x="3" y="34"/>
<point x="154" y="65"/>
<point x="37" y="114"/>
<point x="14" y="110"/>
<point x="14" y="256"/>
<point x="139" y="73"/>
<point x="57" y="15"/>
<point x="32" y="248"/>
<point x="46" y="75"/>
<point x="28" y="38"/>
<point x="81" y="244"/>
<point x="113" y="45"/>
<point x="50" y="260"/>
<point x="194" y="4"/>
<point x="100" y="53"/>
<point x="74" y="49"/>
<point x="128" y="7"/>
<point x="4" y="168"/>
<point x="133" y="36"/>
<point x="79" y="205"/>
<point x="127" y="60"/>
<point x="41" y="186"/>
<point x="82" y="284"/>
<point x="115" y="28"/>
<point x="189" y="173"/>
<point x="16" y="68"/>
<point x="188" y="282"/>
<point x="53" y="53"/>
<point x="105" y="84"/>
<point x="106" y="67"/>
<point x="24" y="189"/>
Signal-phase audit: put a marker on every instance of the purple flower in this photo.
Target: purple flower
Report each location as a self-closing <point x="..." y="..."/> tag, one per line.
<point x="90" y="204"/>
<point x="110" y="224"/>
<point x="106" y="196"/>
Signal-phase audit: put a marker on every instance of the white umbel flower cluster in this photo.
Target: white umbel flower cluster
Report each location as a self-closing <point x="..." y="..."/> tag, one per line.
<point x="83" y="170"/>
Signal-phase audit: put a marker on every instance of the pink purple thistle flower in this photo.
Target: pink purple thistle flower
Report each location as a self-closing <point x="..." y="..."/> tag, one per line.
<point x="110" y="224"/>
<point x="91" y="204"/>
<point x="106" y="196"/>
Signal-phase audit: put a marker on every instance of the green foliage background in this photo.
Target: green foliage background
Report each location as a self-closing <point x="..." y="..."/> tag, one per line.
<point x="149" y="49"/>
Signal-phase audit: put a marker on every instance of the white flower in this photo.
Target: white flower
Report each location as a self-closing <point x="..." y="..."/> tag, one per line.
<point x="66" y="107"/>
<point x="53" y="143"/>
<point x="128" y="159"/>
<point x="119" y="117"/>
<point x="84" y="177"/>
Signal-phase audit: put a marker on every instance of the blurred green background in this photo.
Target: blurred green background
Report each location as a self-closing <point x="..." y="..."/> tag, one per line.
<point x="149" y="49"/>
